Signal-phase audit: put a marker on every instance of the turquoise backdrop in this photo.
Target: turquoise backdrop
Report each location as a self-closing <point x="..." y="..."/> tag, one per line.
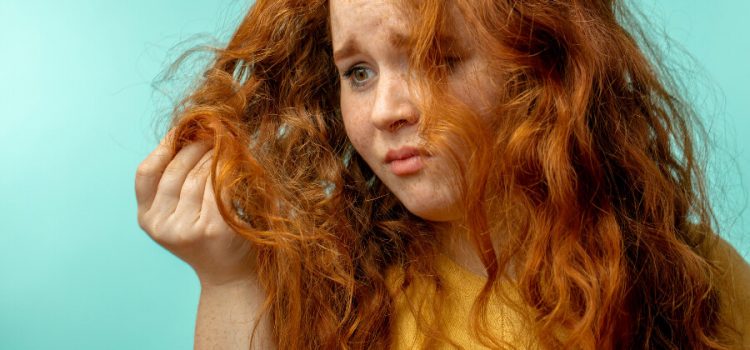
<point x="78" y="112"/>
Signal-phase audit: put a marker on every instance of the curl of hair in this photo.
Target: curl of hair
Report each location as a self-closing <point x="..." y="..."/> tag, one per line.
<point x="588" y="174"/>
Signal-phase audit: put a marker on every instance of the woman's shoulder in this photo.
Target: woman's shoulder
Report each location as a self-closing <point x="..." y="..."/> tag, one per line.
<point x="734" y="284"/>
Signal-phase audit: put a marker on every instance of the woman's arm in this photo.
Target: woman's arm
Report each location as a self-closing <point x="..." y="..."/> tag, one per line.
<point x="227" y="316"/>
<point x="178" y="209"/>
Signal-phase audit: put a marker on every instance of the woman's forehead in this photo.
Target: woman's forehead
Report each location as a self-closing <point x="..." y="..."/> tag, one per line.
<point x="355" y="23"/>
<point x="354" y="15"/>
<point x="353" y="20"/>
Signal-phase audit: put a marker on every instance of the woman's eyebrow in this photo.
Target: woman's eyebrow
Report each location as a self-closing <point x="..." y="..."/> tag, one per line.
<point x="445" y="40"/>
<point x="397" y="39"/>
<point x="350" y="47"/>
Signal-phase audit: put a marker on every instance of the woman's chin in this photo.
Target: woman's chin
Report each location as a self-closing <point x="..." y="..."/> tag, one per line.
<point x="437" y="213"/>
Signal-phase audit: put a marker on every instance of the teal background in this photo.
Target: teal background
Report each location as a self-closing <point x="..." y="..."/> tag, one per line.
<point x="78" y="113"/>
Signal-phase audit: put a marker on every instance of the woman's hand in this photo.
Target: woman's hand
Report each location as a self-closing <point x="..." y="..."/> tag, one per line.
<point x="178" y="209"/>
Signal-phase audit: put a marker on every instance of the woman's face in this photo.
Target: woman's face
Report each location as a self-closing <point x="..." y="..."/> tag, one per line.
<point x="380" y="112"/>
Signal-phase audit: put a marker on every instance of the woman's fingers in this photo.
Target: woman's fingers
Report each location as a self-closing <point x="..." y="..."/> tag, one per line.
<point x="210" y="207"/>
<point x="178" y="209"/>
<point x="170" y="185"/>
<point x="149" y="173"/>
<point x="191" y="195"/>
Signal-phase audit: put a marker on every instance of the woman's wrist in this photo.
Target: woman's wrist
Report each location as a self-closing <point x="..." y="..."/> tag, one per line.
<point x="229" y="313"/>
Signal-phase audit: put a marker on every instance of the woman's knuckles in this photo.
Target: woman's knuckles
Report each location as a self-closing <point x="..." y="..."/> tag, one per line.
<point x="149" y="221"/>
<point x="193" y="183"/>
<point x="144" y="222"/>
<point x="145" y="170"/>
<point x="216" y="230"/>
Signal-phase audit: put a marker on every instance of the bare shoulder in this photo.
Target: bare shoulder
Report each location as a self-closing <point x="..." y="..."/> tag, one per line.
<point x="734" y="280"/>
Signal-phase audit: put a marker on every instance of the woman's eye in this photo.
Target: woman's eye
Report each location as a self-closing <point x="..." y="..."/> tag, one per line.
<point x="451" y="62"/>
<point x="358" y="76"/>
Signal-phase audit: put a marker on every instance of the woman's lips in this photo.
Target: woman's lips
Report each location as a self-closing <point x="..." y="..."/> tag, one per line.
<point x="405" y="160"/>
<point x="406" y="166"/>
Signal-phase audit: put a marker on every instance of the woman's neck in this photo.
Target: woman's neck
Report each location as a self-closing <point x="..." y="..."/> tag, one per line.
<point x="453" y="241"/>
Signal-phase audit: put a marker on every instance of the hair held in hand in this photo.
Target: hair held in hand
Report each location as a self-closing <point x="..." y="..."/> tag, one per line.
<point x="588" y="173"/>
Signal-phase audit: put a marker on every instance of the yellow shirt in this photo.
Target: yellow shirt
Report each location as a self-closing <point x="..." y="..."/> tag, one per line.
<point x="461" y="289"/>
<point x="506" y="323"/>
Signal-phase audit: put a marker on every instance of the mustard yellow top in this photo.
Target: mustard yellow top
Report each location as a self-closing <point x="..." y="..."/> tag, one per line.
<point x="461" y="289"/>
<point x="510" y="325"/>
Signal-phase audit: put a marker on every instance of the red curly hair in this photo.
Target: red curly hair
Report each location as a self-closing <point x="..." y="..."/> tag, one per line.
<point x="589" y="177"/>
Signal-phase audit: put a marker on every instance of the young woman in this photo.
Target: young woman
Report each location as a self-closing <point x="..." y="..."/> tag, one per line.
<point x="427" y="174"/>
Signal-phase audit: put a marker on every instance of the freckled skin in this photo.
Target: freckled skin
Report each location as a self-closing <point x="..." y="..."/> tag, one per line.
<point x="381" y="114"/>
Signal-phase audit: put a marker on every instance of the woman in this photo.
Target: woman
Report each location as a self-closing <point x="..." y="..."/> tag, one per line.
<point x="502" y="174"/>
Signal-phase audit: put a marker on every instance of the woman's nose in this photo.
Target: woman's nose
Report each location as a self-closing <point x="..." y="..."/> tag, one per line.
<point x="394" y="106"/>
